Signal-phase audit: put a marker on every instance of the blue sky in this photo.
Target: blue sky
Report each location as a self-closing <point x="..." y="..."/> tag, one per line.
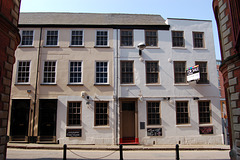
<point x="191" y="9"/>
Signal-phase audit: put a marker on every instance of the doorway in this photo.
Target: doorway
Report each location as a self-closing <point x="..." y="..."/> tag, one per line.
<point x="47" y="121"/>
<point x="128" y="124"/>
<point x="19" y="120"/>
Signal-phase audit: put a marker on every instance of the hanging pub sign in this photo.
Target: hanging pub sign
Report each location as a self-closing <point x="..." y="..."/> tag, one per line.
<point x="193" y="73"/>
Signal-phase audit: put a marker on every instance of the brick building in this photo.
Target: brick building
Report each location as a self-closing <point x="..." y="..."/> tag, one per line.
<point x="9" y="40"/>
<point x="227" y="14"/>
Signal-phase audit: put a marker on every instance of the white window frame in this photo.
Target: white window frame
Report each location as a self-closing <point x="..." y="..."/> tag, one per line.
<point x="82" y="37"/>
<point x="98" y="83"/>
<point x="69" y="72"/>
<point x="107" y="38"/>
<point x="47" y="35"/>
<point x="22" y="37"/>
<point x="18" y="72"/>
<point x="44" y="72"/>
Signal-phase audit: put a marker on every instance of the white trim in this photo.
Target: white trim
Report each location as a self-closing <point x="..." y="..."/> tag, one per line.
<point x="95" y="71"/>
<point x="69" y="72"/>
<point x="22" y="38"/>
<point x="70" y="44"/>
<point x="107" y="38"/>
<point x="16" y="80"/>
<point x="45" y="44"/>
<point x="43" y="72"/>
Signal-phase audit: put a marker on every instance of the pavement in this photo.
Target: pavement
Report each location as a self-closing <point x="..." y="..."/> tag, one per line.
<point x="116" y="147"/>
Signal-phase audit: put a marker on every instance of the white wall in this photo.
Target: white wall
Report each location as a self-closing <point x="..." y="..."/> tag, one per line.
<point x="90" y="134"/>
<point x="166" y="55"/>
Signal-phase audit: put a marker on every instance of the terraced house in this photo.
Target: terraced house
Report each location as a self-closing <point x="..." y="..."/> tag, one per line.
<point x="85" y="78"/>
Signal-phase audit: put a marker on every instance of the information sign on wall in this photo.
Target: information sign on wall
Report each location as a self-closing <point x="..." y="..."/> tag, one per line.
<point x="73" y="133"/>
<point x="206" y="130"/>
<point x="154" y="132"/>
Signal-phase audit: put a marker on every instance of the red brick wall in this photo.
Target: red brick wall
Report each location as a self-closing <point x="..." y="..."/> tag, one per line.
<point x="228" y="20"/>
<point x="9" y="40"/>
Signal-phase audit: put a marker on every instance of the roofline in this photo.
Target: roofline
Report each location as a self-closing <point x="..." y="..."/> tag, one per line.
<point x="148" y="27"/>
<point x="189" y="19"/>
<point x="90" y="13"/>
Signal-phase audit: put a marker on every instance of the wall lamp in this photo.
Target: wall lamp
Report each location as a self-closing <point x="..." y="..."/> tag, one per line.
<point x="195" y="98"/>
<point x="141" y="46"/>
<point x="166" y="98"/>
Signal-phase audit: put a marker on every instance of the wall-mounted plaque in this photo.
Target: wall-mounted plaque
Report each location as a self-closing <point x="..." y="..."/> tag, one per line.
<point x="142" y="125"/>
<point x="154" y="132"/>
<point x="206" y="130"/>
<point x="74" y="133"/>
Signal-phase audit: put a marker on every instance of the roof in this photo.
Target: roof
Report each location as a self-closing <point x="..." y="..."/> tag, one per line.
<point x="90" y="19"/>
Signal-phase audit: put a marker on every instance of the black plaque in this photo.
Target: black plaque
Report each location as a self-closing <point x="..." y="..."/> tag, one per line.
<point x="206" y="130"/>
<point x="142" y="125"/>
<point x="74" y="133"/>
<point x="154" y="132"/>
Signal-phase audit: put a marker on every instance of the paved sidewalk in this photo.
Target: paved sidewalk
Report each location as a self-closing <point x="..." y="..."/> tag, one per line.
<point x="116" y="147"/>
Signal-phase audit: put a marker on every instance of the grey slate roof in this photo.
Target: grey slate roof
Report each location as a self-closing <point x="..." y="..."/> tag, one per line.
<point x="52" y="18"/>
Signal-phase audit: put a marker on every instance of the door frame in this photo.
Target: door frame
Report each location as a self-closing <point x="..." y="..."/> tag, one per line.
<point x="46" y="138"/>
<point x="13" y="137"/>
<point x="121" y="100"/>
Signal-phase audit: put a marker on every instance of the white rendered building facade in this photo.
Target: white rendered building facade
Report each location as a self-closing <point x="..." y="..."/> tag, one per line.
<point x="83" y="80"/>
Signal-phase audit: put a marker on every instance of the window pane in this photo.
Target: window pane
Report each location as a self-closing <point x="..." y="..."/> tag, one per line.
<point x="101" y="72"/>
<point x="23" y="71"/>
<point x="151" y="38"/>
<point x="153" y="109"/>
<point x="204" y="112"/>
<point x="203" y="73"/>
<point x="74" y="113"/>
<point x="152" y="72"/>
<point x="127" y="38"/>
<point x="182" y="112"/>
<point x="180" y="72"/>
<point x="77" y="38"/>
<point x="127" y="72"/>
<point x="101" y="114"/>
<point x="75" y="72"/>
<point x="52" y="38"/>
<point x="49" y="72"/>
<point x="198" y="40"/>
<point x="177" y="39"/>
<point x="102" y="38"/>
<point x="27" y="37"/>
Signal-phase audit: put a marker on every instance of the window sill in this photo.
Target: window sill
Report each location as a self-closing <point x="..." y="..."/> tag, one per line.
<point x="154" y="126"/>
<point x="48" y="84"/>
<point x="183" y="48"/>
<point x="153" y="84"/>
<point x="127" y="47"/>
<point x="181" y="84"/>
<point x="152" y="47"/>
<point x="183" y="125"/>
<point x="74" y="84"/>
<point x="101" y="84"/>
<point x="128" y="84"/>
<point x="23" y="46"/>
<point x="54" y="46"/>
<point x="101" y="46"/>
<point x="199" y="48"/>
<point x="74" y="127"/>
<point x="101" y="127"/>
<point x="205" y="125"/>
<point x="203" y="84"/>
<point x="22" y="84"/>
<point x="72" y="46"/>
